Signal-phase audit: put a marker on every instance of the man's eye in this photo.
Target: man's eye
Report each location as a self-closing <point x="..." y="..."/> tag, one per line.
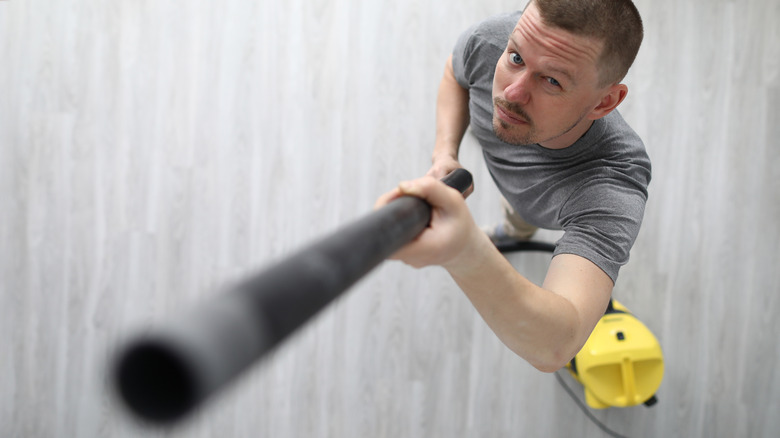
<point x="554" y="82"/>
<point x="515" y="58"/>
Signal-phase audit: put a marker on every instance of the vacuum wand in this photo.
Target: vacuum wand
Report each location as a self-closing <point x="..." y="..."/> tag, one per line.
<point x="165" y="373"/>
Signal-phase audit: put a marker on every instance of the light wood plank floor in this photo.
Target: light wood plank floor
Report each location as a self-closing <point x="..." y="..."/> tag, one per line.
<point x="152" y="151"/>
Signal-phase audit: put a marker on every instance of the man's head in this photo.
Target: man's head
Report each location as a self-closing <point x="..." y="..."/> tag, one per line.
<point x="562" y="69"/>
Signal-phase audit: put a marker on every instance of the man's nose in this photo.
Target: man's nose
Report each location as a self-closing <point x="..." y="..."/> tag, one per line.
<point x="519" y="89"/>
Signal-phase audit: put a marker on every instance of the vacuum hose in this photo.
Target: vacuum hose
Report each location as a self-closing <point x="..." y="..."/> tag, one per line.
<point x="165" y="373"/>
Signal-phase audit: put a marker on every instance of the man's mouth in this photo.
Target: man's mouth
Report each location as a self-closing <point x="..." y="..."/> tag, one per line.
<point x="510" y="116"/>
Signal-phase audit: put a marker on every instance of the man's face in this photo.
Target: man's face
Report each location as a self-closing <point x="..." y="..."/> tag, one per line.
<point x="546" y="85"/>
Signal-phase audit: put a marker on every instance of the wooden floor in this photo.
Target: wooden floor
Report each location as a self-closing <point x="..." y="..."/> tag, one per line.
<point x="150" y="152"/>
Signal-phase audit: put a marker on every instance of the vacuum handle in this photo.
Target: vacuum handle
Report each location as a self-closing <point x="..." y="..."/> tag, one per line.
<point x="163" y="374"/>
<point x="459" y="179"/>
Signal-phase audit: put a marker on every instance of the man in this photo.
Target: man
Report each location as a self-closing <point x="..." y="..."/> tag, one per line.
<point x="539" y="89"/>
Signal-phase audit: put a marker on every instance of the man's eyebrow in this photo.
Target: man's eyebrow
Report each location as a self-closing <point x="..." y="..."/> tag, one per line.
<point x="568" y="75"/>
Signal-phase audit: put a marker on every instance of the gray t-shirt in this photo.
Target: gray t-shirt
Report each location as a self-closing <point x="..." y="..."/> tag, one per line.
<point x="594" y="190"/>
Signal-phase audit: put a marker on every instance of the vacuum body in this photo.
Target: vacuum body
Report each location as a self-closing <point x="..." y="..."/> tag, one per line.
<point x="621" y="363"/>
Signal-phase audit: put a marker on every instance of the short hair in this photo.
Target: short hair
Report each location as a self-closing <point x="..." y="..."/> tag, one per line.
<point x="614" y="22"/>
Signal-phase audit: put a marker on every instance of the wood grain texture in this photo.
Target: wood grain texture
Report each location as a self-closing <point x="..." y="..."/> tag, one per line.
<point x="150" y="152"/>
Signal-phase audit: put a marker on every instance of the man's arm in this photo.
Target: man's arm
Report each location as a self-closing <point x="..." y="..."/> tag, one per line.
<point x="452" y="119"/>
<point x="545" y="325"/>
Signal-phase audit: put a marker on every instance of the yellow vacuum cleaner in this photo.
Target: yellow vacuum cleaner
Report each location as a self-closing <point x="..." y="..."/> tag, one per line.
<point x="621" y="364"/>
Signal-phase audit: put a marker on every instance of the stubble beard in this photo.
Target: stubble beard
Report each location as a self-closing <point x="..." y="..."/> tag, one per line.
<point x="503" y="130"/>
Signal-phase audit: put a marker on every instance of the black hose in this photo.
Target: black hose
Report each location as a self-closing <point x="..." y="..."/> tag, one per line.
<point x="163" y="374"/>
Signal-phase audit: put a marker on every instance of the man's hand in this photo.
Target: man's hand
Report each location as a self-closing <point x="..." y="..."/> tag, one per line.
<point x="452" y="233"/>
<point x="443" y="165"/>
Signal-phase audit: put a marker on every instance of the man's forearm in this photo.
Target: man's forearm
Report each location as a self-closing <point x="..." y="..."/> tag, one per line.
<point x="540" y="326"/>
<point x="452" y="114"/>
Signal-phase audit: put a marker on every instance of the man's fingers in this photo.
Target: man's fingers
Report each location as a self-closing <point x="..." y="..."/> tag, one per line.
<point x="443" y="166"/>
<point x="386" y="198"/>
<point x="431" y="190"/>
<point x="451" y="225"/>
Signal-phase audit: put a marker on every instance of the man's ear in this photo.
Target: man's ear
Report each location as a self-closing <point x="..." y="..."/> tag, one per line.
<point x="609" y="101"/>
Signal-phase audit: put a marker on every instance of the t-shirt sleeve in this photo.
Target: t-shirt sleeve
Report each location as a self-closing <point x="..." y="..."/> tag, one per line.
<point x="601" y="221"/>
<point x="462" y="59"/>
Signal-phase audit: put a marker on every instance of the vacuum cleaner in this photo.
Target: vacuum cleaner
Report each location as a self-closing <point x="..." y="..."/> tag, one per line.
<point x="621" y="363"/>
